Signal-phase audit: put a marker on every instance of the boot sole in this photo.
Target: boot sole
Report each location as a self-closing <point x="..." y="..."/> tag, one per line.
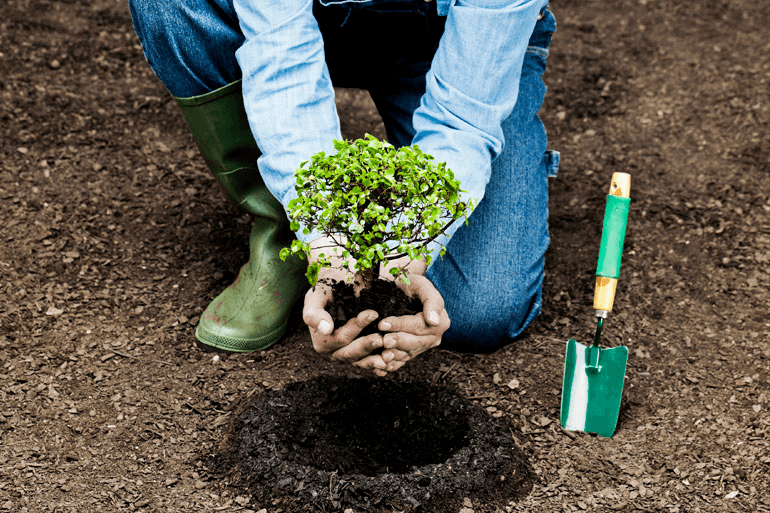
<point x="239" y="345"/>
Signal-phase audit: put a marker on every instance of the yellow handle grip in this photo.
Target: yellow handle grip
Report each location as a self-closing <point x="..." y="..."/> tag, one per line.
<point x="620" y="185"/>
<point x="604" y="295"/>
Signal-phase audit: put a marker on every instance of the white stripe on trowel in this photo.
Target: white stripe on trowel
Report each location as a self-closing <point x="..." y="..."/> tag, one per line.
<point x="578" y="394"/>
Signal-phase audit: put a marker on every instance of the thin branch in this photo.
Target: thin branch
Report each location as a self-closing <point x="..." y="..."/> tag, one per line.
<point x="424" y="242"/>
<point x="328" y="246"/>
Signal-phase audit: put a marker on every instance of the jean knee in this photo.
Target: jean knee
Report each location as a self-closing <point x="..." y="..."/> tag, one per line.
<point x="147" y="17"/>
<point x="190" y="44"/>
<point x="155" y="27"/>
<point x="487" y="316"/>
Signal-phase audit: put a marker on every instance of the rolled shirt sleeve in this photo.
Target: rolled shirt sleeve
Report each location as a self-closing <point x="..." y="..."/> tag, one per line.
<point x="288" y="94"/>
<point x="472" y="87"/>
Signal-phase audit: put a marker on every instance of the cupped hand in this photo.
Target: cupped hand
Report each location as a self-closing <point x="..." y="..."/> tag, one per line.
<point x="411" y="335"/>
<point x="406" y="336"/>
<point x="342" y="343"/>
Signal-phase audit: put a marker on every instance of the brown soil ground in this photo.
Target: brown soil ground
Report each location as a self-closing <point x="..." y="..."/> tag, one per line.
<point x="114" y="238"/>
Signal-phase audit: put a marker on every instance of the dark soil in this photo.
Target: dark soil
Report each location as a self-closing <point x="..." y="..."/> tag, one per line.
<point x="383" y="296"/>
<point x="334" y="443"/>
<point x="114" y="238"/>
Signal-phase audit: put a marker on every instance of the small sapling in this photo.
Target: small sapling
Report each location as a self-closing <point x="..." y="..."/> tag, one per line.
<point x="377" y="203"/>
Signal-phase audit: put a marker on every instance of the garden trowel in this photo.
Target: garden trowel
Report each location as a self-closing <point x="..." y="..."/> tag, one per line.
<point x="593" y="377"/>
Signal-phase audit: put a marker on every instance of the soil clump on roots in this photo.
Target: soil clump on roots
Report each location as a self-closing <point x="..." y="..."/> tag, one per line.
<point x="384" y="297"/>
<point x="372" y="445"/>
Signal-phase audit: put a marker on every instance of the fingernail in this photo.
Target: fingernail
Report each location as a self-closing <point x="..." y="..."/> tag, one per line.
<point x="387" y="356"/>
<point x="433" y="317"/>
<point x="385" y="326"/>
<point x="389" y="342"/>
<point x="371" y="317"/>
<point x="380" y="365"/>
<point x="377" y="343"/>
<point x="324" y="328"/>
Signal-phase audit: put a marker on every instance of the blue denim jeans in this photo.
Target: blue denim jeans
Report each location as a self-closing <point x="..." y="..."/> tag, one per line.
<point x="491" y="276"/>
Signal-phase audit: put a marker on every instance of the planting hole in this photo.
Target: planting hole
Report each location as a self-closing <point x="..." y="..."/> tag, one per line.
<point x="375" y="445"/>
<point x="373" y="427"/>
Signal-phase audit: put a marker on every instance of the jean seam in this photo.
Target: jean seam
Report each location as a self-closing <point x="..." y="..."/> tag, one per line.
<point x="543" y="52"/>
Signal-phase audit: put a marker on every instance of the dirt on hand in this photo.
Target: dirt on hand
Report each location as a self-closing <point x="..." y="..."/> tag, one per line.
<point x="115" y="238"/>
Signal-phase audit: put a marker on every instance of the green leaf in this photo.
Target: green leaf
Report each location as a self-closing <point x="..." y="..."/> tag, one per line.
<point x="312" y="273"/>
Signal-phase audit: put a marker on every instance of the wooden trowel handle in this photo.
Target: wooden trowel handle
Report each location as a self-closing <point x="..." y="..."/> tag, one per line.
<point x="613" y="236"/>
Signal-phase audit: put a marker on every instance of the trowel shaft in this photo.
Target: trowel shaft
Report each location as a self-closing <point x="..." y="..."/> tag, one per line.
<point x="613" y="236"/>
<point x="598" y="334"/>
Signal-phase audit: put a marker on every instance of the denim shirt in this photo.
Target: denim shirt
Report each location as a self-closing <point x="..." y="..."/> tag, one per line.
<point x="472" y="87"/>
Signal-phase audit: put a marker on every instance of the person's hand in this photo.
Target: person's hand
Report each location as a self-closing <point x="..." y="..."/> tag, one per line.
<point x="340" y="343"/>
<point x="407" y="336"/>
<point x="410" y="335"/>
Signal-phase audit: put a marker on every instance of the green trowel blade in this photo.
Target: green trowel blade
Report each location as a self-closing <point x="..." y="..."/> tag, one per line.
<point x="592" y="388"/>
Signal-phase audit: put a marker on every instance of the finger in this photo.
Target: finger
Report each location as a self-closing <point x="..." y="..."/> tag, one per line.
<point x="395" y="354"/>
<point x="394" y="366"/>
<point x="344" y="335"/>
<point x="432" y="301"/>
<point x="409" y="343"/>
<point x="414" y="324"/>
<point x="314" y="310"/>
<point x="372" y="362"/>
<point x="359" y="349"/>
<point x="350" y="331"/>
<point x="406" y="323"/>
<point x="323" y="343"/>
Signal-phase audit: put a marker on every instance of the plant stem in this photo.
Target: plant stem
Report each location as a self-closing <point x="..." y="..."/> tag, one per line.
<point x="368" y="278"/>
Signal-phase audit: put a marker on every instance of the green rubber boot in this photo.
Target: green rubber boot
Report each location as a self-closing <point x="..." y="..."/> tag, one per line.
<point x="251" y="314"/>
